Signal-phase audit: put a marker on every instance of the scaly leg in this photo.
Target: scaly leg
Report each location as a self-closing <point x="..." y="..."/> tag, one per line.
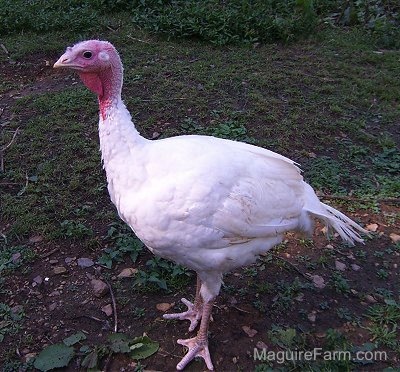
<point x="198" y="346"/>
<point x="194" y="311"/>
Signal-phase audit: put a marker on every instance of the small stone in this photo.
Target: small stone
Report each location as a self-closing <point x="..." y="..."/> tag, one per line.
<point x="355" y="267"/>
<point x="128" y="272"/>
<point x="53" y="306"/>
<point x="38" y="280"/>
<point x="68" y="260"/>
<point x="29" y="356"/>
<point x="370" y="299"/>
<point x="35" y="239"/>
<point x="85" y="262"/>
<point x="107" y="309"/>
<point x="312" y="317"/>
<point x="99" y="287"/>
<point x="318" y="281"/>
<point x="340" y="265"/>
<point x="53" y="262"/>
<point x="59" y="270"/>
<point x="155" y="135"/>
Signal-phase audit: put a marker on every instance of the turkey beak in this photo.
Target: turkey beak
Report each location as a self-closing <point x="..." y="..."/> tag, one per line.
<point x="62" y="61"/>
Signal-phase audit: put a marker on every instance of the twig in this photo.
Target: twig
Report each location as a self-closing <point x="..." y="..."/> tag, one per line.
<point x="88" y="316"/>
<point x="293" y="266"/>
<point x="49" y="253"/>
<point x="239" y="309"/>
<point x="2" y="46"/>
<point x="139" y="40"/>
<point x="161" y="352"/>
<point x="2" y="111"/>
<point x="5" y="148"/>
<point x="339" y="252"/>
<point x="114" y="305"/>
<point x="12" y="140"/>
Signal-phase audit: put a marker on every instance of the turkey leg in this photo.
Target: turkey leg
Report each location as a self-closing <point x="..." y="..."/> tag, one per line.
<point x="198" y="346"/>
<point x="194" y="311"/>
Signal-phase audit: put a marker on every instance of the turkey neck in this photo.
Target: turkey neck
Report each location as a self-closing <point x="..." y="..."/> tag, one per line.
<point x="107" y="84"/>
<point x="118" y="136"/>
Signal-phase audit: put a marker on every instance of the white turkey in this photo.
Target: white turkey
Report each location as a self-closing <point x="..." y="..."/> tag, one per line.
<point x="207" y="203"/>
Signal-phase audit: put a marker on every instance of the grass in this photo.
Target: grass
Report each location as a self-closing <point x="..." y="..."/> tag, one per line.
<point x="330" y="102"/>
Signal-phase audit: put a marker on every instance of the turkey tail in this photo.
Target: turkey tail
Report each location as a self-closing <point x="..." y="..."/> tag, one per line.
<point x="348" y="230"/>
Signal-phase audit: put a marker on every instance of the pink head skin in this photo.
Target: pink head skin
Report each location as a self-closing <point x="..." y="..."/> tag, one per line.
<point x="99" y="67"/>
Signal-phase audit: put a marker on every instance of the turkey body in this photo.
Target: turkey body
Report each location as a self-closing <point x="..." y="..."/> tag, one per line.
<point x="207" y="203"/>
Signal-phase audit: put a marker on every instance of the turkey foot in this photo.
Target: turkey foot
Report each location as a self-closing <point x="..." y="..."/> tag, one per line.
<point x="197" y="348"/>
<point x="193" y="313"/>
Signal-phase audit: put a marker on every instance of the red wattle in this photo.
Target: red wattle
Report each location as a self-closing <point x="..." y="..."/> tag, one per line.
<point x="93" y="82"/>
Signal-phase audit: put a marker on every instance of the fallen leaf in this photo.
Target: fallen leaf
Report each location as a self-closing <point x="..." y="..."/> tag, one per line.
<point x="164" y="306"/>
<point x="128" y="272"/>
<point x="250" y="332"/>
<point x="261" y="345"/>
<point x="394" y="237"/>
<point x="372" y="227"/>
<point x="107" y="309"/>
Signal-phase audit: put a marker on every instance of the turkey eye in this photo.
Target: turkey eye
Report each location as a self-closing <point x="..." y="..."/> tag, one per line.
<point x="87" y="54"/>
